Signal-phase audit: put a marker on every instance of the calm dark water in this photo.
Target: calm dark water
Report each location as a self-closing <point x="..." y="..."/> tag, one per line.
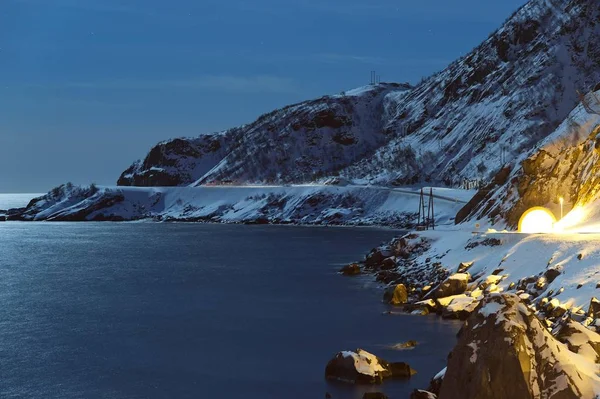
<point x="143" y="310"/>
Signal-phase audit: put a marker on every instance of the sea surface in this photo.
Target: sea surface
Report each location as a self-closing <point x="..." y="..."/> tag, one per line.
<point x="156" y="310"/>
<point x="8" y="201"/>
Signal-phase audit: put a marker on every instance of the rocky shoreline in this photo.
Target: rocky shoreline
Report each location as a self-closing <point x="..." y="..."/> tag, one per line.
<point x="518" y="340"/>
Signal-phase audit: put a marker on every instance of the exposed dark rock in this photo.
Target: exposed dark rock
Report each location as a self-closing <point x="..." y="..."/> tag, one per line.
<point x="405" y="345"/>
<point x="551" y="274"/>
<point x="463" y="267"/>
<point x="352" y="269"/>
<point x="435" y="385"/>
<point x="375" y="258"/>
<point x="453" y="285"/>
<point x="400" y="370"/>
<point x="388" y="264"/>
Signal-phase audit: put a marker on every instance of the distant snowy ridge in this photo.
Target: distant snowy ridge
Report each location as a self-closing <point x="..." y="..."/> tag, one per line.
<point x="327" y="205"/>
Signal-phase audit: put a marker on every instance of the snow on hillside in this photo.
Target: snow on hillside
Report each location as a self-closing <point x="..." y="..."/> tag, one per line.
<point x="468" y="121"/>
<point x="485" y="109"/>
<point x="298" y="143"/>
<point x="515" y="257"/>
<point x="564" y="164"/>
<point x="349" y="205"/>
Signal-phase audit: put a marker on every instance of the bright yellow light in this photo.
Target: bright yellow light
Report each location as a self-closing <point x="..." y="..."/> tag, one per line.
<point x="571" y="219"/>
<point x="562" y="200"/>
<point x="537" y="220"/>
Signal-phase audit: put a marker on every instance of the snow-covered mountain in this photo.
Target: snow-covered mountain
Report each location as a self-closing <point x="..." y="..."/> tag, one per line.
<point x="298" y="143"/>
<point x="467" y="121"/>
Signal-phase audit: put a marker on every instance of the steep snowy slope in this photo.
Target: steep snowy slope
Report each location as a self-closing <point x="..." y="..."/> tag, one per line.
<point x="502" y="98"/>
<point x="467" y="121"/>
<point x="565" y="164"/>
<point x="294" y="144"/>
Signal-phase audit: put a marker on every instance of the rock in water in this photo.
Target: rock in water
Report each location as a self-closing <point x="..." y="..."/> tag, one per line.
<point x="376" y="257"/>
<point x="352" y="269"/>
<point x="397" y="295"/>
<point x="405" y="345"/>
<point x="453" y="285"/>
<point x="505" y="352"/>
<point x="362" y="367"/>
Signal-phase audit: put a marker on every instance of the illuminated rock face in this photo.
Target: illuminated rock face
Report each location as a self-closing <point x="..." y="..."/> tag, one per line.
<point x="537" y="220"/>
<point x="504" y="351"/>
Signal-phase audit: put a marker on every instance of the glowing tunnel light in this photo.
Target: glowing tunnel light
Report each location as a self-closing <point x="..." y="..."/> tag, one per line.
<point x="537" y="220"/>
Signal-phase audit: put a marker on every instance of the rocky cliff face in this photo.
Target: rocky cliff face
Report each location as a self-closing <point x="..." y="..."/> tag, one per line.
<point x="504" y="351"/>
<point x="177" y="162"/>
<point x="468" y="121"/>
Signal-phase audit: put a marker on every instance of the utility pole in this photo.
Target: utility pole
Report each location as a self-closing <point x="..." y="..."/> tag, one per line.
<point x="430" y="212"/>
<point x="421" y="209"/>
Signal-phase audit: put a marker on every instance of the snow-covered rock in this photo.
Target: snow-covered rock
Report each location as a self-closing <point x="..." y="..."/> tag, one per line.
<point x="460" y="307"/>
<point x="362" y="367"/>
<point x="504" y="351"/>
<point x="456" y="284"/>
<point x="580" y="339"/>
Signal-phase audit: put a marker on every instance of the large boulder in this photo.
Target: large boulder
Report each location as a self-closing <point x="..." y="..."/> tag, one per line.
<point x="505" y="352"/>
<point x="460" y="307"/>
<point x="396" y="295"/>
<point x="376" y="257"/>
<point x="551" y="274"/>
<point x="362" y="367"/>
<point x="456" y="284"/>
